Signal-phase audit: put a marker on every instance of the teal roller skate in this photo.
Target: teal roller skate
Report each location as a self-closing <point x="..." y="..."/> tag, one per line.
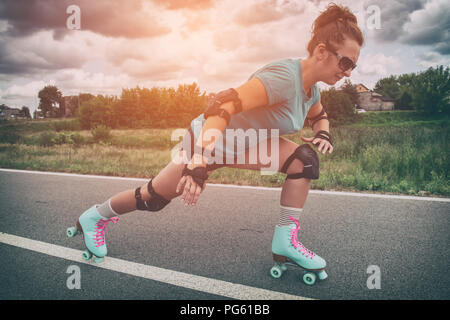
<point x="93" y="227"/>
<point x="288" y="251"/>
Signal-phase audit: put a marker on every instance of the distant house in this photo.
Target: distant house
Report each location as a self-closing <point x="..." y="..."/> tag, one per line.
<point x="37" y="114"/>
<point x="372" y="101"/>
<point x="7" y="113"/>
<point x="361" y="88"/>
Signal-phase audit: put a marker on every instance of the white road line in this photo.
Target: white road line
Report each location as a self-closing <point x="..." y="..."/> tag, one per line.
<point x="336" y="193"/>
<point x="180" y="279"/>
<point x="63" y="174"/>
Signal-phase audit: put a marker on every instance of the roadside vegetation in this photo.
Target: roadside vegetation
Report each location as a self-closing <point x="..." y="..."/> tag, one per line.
<point x="390" y="152"/>
<point x="402" y="152"/>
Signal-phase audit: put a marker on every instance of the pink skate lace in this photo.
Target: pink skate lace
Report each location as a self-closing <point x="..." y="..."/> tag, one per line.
<point x="100" y="230"/>
<point x="298" y="245"/>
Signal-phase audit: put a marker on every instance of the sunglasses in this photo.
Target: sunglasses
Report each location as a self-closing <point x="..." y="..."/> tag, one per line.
<point x="345" y="63"/>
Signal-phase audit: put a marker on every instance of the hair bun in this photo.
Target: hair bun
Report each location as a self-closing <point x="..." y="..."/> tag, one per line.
<point x="333" y="25"/>
<point x="332" y="14"/>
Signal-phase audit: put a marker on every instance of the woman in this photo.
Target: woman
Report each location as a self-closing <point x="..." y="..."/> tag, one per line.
<point x="281" y="95"/>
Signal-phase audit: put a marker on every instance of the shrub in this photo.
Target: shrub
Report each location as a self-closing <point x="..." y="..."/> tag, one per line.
<point x="47" y="138"/>
<point x="61" y="138"/>
<point x="101" y="133"/>
<point x="77" y="139"/>
<point x="10" y="137"/>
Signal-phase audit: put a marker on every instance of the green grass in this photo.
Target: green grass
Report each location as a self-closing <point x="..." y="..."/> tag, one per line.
<point x="386" y="152"/>
<point x="400" y="119"/>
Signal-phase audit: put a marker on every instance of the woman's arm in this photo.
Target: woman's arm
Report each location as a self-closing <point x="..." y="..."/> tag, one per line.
<point x="314" y="112"/>
<point x="317" y="118"/>
<point x="252" y="95"/>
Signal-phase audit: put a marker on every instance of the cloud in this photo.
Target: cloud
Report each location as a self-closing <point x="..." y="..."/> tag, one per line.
<point x="430" y="26"/>
<point x="433" y="59"/>
<point x="153" y="59"/>
<point x="40" y="52"/>
<point x="218" y="44"/>
<point x="115" y="19"/>
<point x="377" y="64"/>
<point x="185" y="4"/>
<point x="259" y="12"/>
<point x="394" y="14"/>
<point x="24" y="94"/>
<point x="415" y="22"/>
<point x="75" y="81"/>
<point x="29" y="89"/>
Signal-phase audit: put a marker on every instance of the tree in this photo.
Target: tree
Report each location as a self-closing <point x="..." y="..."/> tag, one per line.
<point x="426" y="91"/>
<point x="350" y="90"/>
<point x="405" y="101"/>
<point x="83" y="97"/>
<point x="49" y="101"/>
<point x="338" y="105"/>
<point x="431" y="90"/>
<point x="97" y="111"/>
<point x="388" y="87"/>
<point x="25" y="112"/>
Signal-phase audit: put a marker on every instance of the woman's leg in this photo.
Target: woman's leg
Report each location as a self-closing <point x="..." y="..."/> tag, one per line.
<point x="294" y="191"/>
<point x="285" y="244"/>
<point x="164" y="184"/>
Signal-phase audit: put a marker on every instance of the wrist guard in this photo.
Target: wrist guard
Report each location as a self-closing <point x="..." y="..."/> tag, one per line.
<point x="198" y="174"/>
<point x="322" y="134"/>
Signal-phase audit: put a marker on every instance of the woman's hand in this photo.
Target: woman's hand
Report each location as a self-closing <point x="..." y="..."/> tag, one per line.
<point x="321" y="144"/>
<point x="191" y="190"/>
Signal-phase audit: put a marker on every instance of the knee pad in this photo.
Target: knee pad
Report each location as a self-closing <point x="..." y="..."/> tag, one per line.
<point x="156" y="202"/>
<point x="310" y="162"/>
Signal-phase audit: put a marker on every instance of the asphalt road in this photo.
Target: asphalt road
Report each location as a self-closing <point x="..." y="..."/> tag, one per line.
<point x="227" y="237"/>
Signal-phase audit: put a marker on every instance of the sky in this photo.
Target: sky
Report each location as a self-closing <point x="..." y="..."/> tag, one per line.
<point x="216" y="43"/>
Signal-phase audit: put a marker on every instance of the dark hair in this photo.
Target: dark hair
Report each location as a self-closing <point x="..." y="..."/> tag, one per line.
<point x="331" y="26"/>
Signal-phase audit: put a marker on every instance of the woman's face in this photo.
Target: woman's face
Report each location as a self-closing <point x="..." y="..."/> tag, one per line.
<point x="333" y="73"/>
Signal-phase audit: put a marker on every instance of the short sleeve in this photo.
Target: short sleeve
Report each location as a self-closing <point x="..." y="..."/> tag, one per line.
<point x="279" y="82"/>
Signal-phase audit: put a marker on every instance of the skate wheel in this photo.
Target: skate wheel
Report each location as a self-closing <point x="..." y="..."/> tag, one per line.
<point x="98" y="259"/>
<point x="86" y="255"/>
<point x="276" y="272"/>
<point x="72" y="232"/>
<point x="322" y="275"/>
<point x="309" y="278"/>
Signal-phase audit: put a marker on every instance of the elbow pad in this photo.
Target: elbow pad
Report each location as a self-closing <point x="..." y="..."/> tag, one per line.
<point x="220" y="98"/>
